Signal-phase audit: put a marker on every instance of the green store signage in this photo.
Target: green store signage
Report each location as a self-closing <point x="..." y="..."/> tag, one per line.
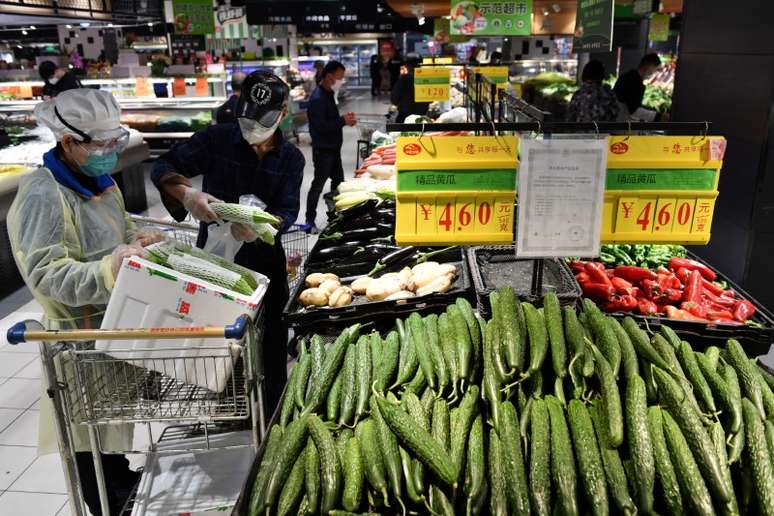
<point x="593" y="26"/>
<point x="193" y="17"/>
<point x="491" y="17"/>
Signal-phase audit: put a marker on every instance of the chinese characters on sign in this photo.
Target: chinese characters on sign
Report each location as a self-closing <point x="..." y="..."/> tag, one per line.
<point x="193" y="17"/>
<point x="593" y="26"/>
<point x="491" y="18"/>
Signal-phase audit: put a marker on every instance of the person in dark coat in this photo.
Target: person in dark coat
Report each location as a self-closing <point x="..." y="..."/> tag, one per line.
<point x="630" y="89"/>
<point x="402" y="95"/>
<point x="57" y="79"/>
<point x="226" y="112"/>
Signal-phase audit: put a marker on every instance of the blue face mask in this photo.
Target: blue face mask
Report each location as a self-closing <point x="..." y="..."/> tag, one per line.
<point x="99" y="165"/>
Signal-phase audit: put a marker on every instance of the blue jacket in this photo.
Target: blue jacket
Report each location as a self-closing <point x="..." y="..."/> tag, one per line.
<point x="325" y="123"/>
<point x="231" y="168"/>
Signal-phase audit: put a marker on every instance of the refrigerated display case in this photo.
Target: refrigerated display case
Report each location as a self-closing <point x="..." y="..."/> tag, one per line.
<point x="355" y="56"/>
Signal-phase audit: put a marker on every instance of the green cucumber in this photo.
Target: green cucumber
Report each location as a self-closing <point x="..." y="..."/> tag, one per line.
<point x="462" y="341"/>
<point x="718" y="437"/>
<point x="628" y="354"/>
<point x="498" y="503"/>
<point x="317" y="354"/>
<point x="757" y="453"/>
<point x="553" y="317"/>
<point x="408" y="362"/>
<point x="665" y="472"/>
<point x="713" y="356"/>
<point x="312" y="476"/>
<point x="513" y="457"/>
<point x="490" y="383"/>
<point x="468" y="410"/>
<point x="475" y="334"/>
<point x="291" y="491"/>
<point x="333" y="402"/>
<point x="604" y="337"/>
<point x="611" y="461"/>
<point x="475" y="463"/>
<point x="348" y="387"/>
<point x="293" y="442"/>
<point x="587" y="452"/>
<point x="420" y="339"/>
<point x="720" y="389"/>
<point x="389" y="448"/>
<point x="540" y="459"/>
<point x="689" y="363"/>
<point x="639" y="440"/>
<point x="330" y="472"/>
<point x="449" y="347"/>
<point x="643" y="346"/>
<point x="439" y="503"/>
<point x="509" y="330"/>
<point x="367" y="434"/>
<point x="538" y="338"/>
<point x="766" y="394"/>
<point x="334" y="357"/>
<point x="353" y="475"/>
<point x="611" y="399"/>
<point x="736" y="442"/>
<point x="747" y="377"/>
<point x="562" y="459"/>
<point x="273" y="444"/>
<point x="441" y="424"/>
<point x="388" y="362"/>
<point x="417" y="384"/>
<point x="363" y="375"/>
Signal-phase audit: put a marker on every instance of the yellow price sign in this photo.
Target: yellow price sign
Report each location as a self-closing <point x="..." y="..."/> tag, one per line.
<point x="662" y="219"/>
<point x="432" y="83"/>
<point x="496" y="74"/>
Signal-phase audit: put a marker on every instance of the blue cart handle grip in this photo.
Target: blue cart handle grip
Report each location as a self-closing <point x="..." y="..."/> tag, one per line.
<point x="15" y="333"/>
<point x="237" y="330"/>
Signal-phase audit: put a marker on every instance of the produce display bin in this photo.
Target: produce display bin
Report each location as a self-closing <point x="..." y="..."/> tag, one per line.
<point x="494" y="267"/>
<point x="361" y="309"/>
<point x="756" y="339"/>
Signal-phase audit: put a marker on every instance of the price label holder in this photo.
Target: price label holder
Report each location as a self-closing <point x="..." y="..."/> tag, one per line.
<point x="431" y="83"/>
<point x="661" y="189"/>
<point x="178" y="87"/>
<point x="496" y="74"/>
<point x="455" y="190"/>
<point x="561" y="196"/>
<point x="438" y="60"/>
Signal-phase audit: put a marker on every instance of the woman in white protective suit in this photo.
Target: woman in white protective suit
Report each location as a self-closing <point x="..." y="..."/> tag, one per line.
<point x="69" y="233"/>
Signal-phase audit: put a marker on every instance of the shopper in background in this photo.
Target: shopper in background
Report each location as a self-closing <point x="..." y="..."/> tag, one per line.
<point x="402" y="94"/>
<point x="385" y="69"/>
<point x="594" y="101"/>
<point x="630" y="89"/>
<point x="225" y="113"/>
<point x="56" y="79"/>
<point x="318" y="69"/>
<point x="249" y="156"/>
<point x="325" y="127"/>
<point x="69" y="234"/>
<point x="496" y="58"/>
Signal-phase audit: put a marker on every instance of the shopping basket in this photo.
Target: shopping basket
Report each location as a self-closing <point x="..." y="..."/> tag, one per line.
<point x="91" y="388"/>
<point x="295" y="242"/>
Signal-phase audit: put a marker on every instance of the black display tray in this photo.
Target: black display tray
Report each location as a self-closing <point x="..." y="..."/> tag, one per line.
<point x="362" y="310"/>
<point x="495" y="267"/>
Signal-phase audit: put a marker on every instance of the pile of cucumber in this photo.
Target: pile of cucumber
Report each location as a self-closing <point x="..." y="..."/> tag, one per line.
<point x="538" y="410"/>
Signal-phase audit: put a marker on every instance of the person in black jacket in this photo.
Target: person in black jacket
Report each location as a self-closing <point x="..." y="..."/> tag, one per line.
<point x="402" y="94"/>
<point x="630" y="89"/>
<point x="325" y="127"/>
<point x="56" y="79"/>
<point x="225" y="113"/>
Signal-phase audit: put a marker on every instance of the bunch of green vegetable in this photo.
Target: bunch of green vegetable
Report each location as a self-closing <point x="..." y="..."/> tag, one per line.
<point x="539" y="410"/>
<point x="642" y="255"/>
<point x="657" y="98"/>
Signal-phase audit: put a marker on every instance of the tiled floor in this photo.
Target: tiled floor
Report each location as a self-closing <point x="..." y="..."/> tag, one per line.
<point x="35" y="486"/>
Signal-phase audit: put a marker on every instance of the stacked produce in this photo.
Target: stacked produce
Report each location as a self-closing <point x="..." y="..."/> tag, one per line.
<point x="383" y="155"/>
<point x="200" y="264"/>
<point x="325" y="289"/>
<point x="686" y="291"/>
<point x="537" y="410"/>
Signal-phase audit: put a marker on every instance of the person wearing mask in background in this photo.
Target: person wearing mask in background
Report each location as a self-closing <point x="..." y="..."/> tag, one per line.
<point x="594" y="101"/>
<point x="402" y="95"/>
<point x="56" y="79"/>
<point x="249" y="156"/>
<point x="325" y="127"/>
<point x="69" y="234"/>
<point x="225" y="113"/>
<point x="630" y="89"/>
<point x="386" y="68"/>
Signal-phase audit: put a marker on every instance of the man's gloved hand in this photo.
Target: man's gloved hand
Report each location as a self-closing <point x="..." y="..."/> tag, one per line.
<point x="149" y="235"/>
<point x="124" y="251"/>
<point x="243" y="233"/>
<point x="198" y="205"/>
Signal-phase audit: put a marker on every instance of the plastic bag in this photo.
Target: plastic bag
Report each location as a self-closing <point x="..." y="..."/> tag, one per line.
<point x="220" y="242"/>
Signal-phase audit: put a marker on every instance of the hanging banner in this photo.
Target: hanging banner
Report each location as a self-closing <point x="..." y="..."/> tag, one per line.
<point x="193" y="16"/>
<point x="560" y="197"/>
<point x="231" y="23"/>
<point x="491" y="17"/>
<point x="593" y="26"/>
<point x="431" y="83"/>
<point x="659" y="27"/>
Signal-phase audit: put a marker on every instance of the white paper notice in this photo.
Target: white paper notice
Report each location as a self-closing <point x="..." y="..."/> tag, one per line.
<point x="560" y="197"/>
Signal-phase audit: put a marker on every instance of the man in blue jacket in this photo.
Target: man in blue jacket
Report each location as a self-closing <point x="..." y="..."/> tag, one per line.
<point x="249" y="156"/>
<point x="325" y="127"/>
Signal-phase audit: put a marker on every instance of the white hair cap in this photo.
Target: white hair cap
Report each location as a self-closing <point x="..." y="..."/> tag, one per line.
<point x="93" y="112"/>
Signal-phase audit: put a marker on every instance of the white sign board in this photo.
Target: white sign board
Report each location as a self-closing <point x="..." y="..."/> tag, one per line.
<point x="560" y="196"/>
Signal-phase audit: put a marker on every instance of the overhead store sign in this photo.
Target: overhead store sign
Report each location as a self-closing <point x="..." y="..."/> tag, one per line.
<point x="193" y="17"/>
<point x="491" y="17"/>
<point x="593" y="26"/>
<point x="431" y="83"/>
<point x="455" y="189"/>
<point x="659" y="27"/>
<point x="231" y="23"/>
<point x="315" y="17"/>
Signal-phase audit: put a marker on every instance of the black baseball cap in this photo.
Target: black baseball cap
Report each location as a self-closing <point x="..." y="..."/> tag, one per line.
<point x="263" y="97"/>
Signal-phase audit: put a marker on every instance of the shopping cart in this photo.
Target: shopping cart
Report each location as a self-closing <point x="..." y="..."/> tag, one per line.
<point x="295" y="242"/>
<point x="185" y="232"/>
<point x="89" y="387"/>
<point x="367" y="124"/>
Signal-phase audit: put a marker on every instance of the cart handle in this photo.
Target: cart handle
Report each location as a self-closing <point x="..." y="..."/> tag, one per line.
<point x="19" y="333"/>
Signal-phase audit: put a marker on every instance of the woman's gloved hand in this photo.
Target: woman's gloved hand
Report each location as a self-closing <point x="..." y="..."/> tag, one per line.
<point x="198" y="205"/>
<point x="243" y="233"/>
<point x="149" y="235"/>
<point x="124" y="251"/>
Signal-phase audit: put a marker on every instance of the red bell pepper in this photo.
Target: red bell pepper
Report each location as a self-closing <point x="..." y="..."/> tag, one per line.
<point x="651" y="289"/>
<point x="696" y="309"/>
<point x="621" y="285"/>
<point x="744" y="310"/>
<point x="681" y="315"/>
<point x="669" y="281"/>
<point x="693" y="289"/>
<point x="597" y="275"/>
<point x="634" y="274"/>
<point x="676" y="263"/>
<point x="646" y="306"/>
<point x="683" y="275"/>
<point x="673" y="295"/>
<point x="598" y="292"/>
<point x="636" y="292"/>
<point x="621" y="304"/>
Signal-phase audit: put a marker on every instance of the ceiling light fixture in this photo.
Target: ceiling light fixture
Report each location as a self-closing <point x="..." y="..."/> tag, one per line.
<point x="32" y="27"/>
<point x="24" y="32"/>
<point x="69" y="26"/>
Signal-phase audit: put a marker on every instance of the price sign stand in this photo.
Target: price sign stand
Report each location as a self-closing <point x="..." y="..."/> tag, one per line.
<point x="432" y="83"/>
<point x="455" y="190"/>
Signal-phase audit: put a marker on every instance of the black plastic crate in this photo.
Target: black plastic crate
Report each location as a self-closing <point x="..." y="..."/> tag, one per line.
<point x="495" y="267"/>
<point x="361" y="310"/>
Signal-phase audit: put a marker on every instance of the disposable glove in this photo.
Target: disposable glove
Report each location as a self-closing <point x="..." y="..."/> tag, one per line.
<point x="124" y="251"/>
<point x="243" y="233"/>
<point x="198" y="205"/>
<point x="149" y="235"/>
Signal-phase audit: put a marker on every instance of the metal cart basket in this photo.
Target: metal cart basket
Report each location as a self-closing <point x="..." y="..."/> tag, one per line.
<point x="367" y="124"/>
<point x="295" y="242"/>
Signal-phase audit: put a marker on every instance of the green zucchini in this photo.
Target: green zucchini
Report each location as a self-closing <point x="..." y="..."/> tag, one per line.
<point x="562" y="459"/>
<point x="665" y="472"/>
<point x="353" y="475"/>
<point x="540" y="459"/>
<point x="587" y="452"/>
<point x="757" y="453"/>
<point x="639" y="440"/>
<point x="692" y="484"/>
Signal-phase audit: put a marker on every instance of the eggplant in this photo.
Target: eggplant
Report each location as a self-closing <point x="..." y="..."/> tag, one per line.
<point x="356" y="235"/>
<point x="340" y="225"/>
<point x="358" y="209"/>
<point x="337" y="251"/>
<point x="379" y="250"/>
<point x="382" y="214"/>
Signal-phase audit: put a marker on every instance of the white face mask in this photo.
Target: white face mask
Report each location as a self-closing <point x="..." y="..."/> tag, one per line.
<point x="254" y="133"/>
<point x="53" y="80"/>
<point x="337" y="85"/>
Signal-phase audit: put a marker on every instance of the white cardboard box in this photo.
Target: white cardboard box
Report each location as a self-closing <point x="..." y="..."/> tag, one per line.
<point x="147" y="295"/>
